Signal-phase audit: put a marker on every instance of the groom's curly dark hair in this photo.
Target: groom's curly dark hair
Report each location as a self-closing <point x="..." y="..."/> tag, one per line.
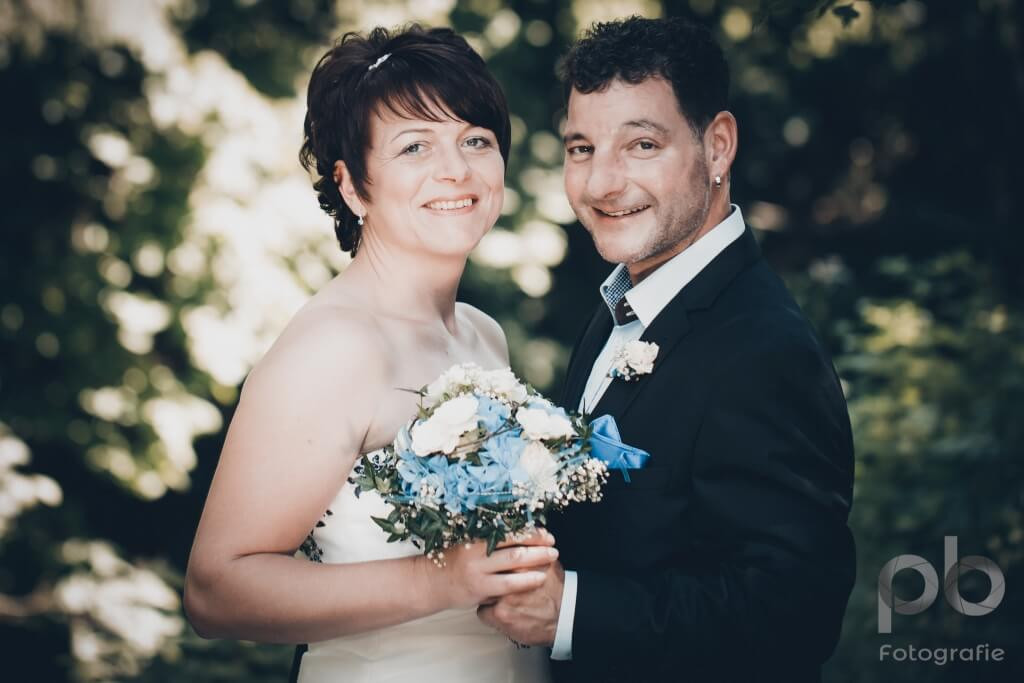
<point x="680" y="51"/>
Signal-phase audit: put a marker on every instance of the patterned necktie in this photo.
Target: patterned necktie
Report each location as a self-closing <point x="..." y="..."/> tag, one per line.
<point x="624" y="312"/>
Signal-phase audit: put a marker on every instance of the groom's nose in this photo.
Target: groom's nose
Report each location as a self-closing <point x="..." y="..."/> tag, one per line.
<point x="607" y="177"/>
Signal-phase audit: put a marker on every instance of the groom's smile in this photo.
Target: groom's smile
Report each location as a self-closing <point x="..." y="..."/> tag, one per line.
<point x="621" y="213"/>
<point x="635" y="173"/>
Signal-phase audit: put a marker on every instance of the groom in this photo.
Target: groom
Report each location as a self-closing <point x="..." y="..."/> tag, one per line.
<point x="727" y="556"/>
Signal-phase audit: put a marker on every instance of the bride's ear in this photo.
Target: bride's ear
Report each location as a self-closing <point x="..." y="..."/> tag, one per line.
<point x="343" y="179"/>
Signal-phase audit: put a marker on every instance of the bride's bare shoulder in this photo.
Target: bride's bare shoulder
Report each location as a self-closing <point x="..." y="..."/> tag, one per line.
<point x="487" y="328"/>
<point x="329" y="340"/>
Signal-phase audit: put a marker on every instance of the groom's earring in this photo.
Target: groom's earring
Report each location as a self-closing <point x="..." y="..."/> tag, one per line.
<point x="718" y="181"/>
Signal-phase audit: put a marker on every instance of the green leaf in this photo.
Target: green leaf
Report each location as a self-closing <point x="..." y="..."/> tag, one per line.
<point x="433" y="515"/>
<point x="496" y="537"/>
<point x="432" y="542"/>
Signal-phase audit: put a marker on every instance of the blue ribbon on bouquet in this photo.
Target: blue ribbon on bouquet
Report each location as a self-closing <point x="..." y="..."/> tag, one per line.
<point x="606" y="445"/>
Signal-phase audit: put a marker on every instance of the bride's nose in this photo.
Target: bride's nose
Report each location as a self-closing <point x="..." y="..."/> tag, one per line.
<point x="451" y="165"/>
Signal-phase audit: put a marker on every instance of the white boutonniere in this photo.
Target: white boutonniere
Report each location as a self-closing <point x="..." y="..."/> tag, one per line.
<point x="633" y="359"/>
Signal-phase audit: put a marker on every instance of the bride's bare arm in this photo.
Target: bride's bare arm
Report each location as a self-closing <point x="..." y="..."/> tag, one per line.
<point x="301" y="420"/>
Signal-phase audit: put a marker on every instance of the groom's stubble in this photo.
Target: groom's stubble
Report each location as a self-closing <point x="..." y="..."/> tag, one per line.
<point x="679" y="222"/>
<point x="678" y="229"/>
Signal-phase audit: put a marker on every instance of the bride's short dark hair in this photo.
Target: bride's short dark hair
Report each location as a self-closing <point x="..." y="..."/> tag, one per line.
<point x="427" y="74"/>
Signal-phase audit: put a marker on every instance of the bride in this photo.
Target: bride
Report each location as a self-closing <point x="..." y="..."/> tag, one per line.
<point x="409" y="134"/>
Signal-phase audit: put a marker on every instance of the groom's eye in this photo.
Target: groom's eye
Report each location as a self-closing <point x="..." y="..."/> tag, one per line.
<point x="579" y="149"/>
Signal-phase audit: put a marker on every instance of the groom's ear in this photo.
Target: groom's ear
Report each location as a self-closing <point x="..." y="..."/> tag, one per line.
<point x="343" y="179"/>
<point x="720" y="141"/>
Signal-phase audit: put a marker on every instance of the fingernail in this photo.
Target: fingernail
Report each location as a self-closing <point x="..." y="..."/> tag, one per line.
<point x="552" y="553"/>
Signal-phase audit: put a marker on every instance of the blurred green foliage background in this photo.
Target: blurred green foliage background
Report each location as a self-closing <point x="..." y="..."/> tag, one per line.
<point x="158" y="233"/>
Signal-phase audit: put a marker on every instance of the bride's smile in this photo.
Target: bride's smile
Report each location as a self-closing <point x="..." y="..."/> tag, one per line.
<point x="452" y="207"/>
<point x="434" y="186"/>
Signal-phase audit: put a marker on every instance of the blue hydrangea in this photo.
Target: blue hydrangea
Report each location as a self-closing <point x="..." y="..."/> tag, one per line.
<point x="504" y="449"/>
<point x="414" y="470"/>
<point x="463" y="485"/>
<point x="463" y="489"/>
<point x="493" y="413"/>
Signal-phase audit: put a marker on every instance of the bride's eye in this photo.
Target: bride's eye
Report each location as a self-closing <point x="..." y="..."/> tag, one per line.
<point x="478" y="142"/>
<point x="414" y="148"/>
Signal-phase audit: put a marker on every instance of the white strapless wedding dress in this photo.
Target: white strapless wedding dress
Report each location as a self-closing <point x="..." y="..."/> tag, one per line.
<point x="448" y="647"/>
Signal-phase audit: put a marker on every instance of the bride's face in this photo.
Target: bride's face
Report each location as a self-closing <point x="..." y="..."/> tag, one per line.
<point x="435" y="186"/>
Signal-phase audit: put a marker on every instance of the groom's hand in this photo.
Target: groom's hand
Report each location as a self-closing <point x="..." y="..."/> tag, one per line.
<point x="529" y="617"/>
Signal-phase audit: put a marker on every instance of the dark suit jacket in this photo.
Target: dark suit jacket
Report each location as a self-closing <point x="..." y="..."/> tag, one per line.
<point x="728" y="557"/>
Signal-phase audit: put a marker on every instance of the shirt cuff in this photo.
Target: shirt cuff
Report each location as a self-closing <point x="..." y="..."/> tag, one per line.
<point x="561" y="649"/>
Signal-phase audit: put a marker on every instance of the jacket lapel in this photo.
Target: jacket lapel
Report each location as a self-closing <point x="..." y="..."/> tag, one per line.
<point x="673" y="323"/>
<point x="582" y="362"/>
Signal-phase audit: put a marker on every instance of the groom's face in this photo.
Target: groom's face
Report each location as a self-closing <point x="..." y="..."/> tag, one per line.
<point x="635" y="173"/>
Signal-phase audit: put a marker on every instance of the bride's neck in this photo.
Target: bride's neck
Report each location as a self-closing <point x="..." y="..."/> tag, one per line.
<point x="414" y="286"/>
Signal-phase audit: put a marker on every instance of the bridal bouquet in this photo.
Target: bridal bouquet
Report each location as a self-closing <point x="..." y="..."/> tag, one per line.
<point x="486" y="458"/>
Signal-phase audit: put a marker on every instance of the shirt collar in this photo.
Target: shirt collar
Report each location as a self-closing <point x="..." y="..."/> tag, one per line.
<point x="653" y="293"/>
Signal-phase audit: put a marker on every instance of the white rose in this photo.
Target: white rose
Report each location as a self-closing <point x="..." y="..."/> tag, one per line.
<point x="503" y="383"/>
<point x="435" y="390"/>
<point x="537" y="423"/>
<point x="430" y="437"/>
<point x="640" y="356"/>
<point x="442" y="430"/>
<point x="457" y="411"/>
<point x="540" y="466"/>
<point x="450" y="380"/>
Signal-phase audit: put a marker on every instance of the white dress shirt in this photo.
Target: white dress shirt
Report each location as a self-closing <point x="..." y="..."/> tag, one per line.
<point x="647" y="299"/>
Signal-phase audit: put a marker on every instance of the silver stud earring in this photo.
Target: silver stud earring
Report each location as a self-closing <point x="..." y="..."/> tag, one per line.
<point x="360" y="221"/>
<point x="718" y="181"/>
